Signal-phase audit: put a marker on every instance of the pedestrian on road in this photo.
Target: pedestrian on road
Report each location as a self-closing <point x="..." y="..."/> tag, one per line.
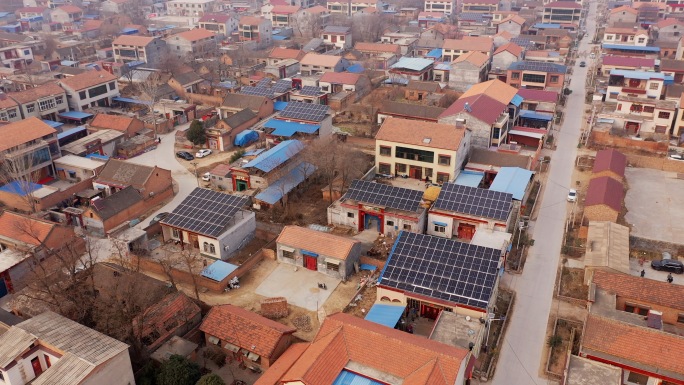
<point x="643" y="273"/>
<point x="669" y="278"/>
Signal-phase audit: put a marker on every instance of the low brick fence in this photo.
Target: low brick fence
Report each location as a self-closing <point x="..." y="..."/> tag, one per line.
<point x="656" y="163"/>
<point x="372" y="261"/>
<point x="604" y="138"/>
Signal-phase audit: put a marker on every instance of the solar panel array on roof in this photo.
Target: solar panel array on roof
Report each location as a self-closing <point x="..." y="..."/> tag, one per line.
<point x="258" y="91"/>
<point x="310" y="91"/>
<point x="266" y="88"/>
<point x="282" y="85"/>
<point x="263" y="82"/>
<point x="538" y="66"/>
<point x="474" y="201"/>
<point x="305" y="111"/>
<point x="442" y="268"/>
<point x="384" y="195"/>
<point x="205" y="212"/>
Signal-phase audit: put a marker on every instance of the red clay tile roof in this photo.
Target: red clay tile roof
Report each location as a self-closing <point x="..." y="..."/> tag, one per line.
<point x="610" y="160"/>
<point x="194" y="34"/>
<point x="415" y="132"/>
<point x="251" y="20"/>
<point x="668" y="22"/>
<point x="31" y="10"/>
<point x="113" y="122"/>
<point x="624" y="8"/>
<point x="285" y="9"/>
<point x="344" y="338"/>
<point x="87" y="79"/>
<point x="70" y="8"/>
<point x="35" y="93"/>
<point x="656" y="350"/>
<point x="6" y="102"/>
<point x="24" y="229"/>
<point x="470" y="43"/>
<point x="276" y="371"/>
<point x="176" y="307"/>
<point x="139" y="41"/>
<point x="605" y="191"/>
<point x="538" y="95"/>
<point x="340" y="77"/>
<point x="312" y="58"/>
<point x="244" y="329"/>
<point x="628" y="61"/>
<point x="482" y="107"/>
<point x="286" y="53"/>
<point x="17" y="133"/>
<point x="377" y="47"/>
<point x="642" y="290"/>
<point x="510" y="47"/>
<point x="324" y="244"/>
<point x="475" y="58"/>
<point x="495" y="89"/>
<point x="563" y="4"/>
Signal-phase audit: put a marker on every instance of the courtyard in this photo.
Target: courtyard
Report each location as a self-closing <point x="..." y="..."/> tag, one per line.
<point x="298" y="285"/>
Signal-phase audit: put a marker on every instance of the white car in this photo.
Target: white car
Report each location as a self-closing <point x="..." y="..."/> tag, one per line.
<point x="572" y="195"/>
<point x="202" y="153"/>
<point x="206" y="176"/>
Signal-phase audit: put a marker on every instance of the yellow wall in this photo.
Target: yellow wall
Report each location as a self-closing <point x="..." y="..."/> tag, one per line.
<point x="450" y="169"/>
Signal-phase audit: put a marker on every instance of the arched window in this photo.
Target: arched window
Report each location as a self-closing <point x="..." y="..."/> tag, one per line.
<point x="205" y="246"/>
<point x="384" y="299"/>
<point x="212" y="248"/>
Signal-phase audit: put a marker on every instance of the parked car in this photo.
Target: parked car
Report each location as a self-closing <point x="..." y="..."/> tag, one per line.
<point x="158" y="218"/>
<point x="671" y="265"/>
<point x="202" y="153"/>
<point x="572" y="195"/>
<point x="583" y="64"/>
<point x="185" y="155"/>
<point x="206" y="177"/>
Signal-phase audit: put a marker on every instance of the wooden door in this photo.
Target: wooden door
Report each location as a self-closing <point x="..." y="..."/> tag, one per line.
<point x="310" y="263"/>
<point x="37" y="369"/>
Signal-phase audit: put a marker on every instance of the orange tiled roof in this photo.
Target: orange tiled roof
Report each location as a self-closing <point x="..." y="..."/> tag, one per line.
<point x="514" y="18"/>
<point x="477" y="58"/>
<point x="286" y="53"/>
<point x="6" y="102"/>
<point x="251" y="20"/>
<point x="17" y="133"/>
<point x="35" y="93"/>
<point x="644" y="346"/>
<point x="194" y="34"/>
<point x="344" y="338"/>
<point x="24" y="229"/>
<point x="139" y="41"/>
<point x="114" y="122"/>
<point x="70" y="9"/>
<point x="244" y="329"/>
<point x="276" y="371"/>
<point x="639" y="289"/>
<point x="318" y="242"/>
<point x="320" y="60"/>
<point x="510" y="47"/>
<point x="87" y="79"/>
<point x="624" y="8"/>
<point x="470" y="43"/>
<point x="414" y="132"/>
<point x="377" y="47"/>
<point x="495" y="89"/>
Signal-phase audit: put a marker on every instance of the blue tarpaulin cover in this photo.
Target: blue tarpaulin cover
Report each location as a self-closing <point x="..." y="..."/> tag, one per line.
<point x="246" y="137"/>
<point x="387" y="315"/>
<point x="20" y="188"/>
<point x="287" y="129"/>
<point x="218" y="270"/>
<point x="349" y="378"/>
<point x="367" y="266"/>
<point x="279" y="106"/>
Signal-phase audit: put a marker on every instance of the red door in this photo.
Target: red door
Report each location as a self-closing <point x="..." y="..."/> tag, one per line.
<point x="416" y="172"/>
<point x="310" y="263"/>
<point x="466" y="231"/>
<point x="37" y="369"/>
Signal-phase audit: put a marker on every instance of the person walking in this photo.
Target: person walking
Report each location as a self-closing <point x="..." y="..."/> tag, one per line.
<point x="643" y="273"/>
<point x="669" y="278"/>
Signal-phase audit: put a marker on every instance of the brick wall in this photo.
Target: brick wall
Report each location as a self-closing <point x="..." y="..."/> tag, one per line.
<point x="602" y="138"/>
<point x="18" y="203"/>
<point x="274" y="308"/>
<point x="204" y="99"/>
<point x="660" y="163"/>
<point x="372" y="261"/>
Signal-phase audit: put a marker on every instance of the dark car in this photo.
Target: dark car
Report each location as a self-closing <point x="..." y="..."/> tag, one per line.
<point x="583" y="64"/>
<point x="671" y="265"/>
<point x="158" y="218"/>
<point x="185" y="155"/>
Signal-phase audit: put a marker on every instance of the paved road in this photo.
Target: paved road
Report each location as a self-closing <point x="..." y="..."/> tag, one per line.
<point x="521" y="359"/>
<point x="165" y="157"/>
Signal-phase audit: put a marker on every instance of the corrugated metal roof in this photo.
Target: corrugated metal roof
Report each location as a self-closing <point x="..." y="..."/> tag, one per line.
<point x="12" y="344"/>
<point x="287" y="129"/>
<point x="68" y="370"/>
<point x="512" y="180"/>
<point x="275" y="156"/>
<point x="469" y="178"/>
<point x="218" y="270"/>
<point x="627" y="47"/>
<point x="284" y="185"/>
<point x="412" y="63"/>
<point x="387" y="315"/>
<point x="643" y="75"/>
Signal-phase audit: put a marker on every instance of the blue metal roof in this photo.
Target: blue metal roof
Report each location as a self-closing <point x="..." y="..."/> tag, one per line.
<point x="130" y="100"/>
<point x="129" y="31"/>
<point x="546" y="26"/>
<point x="75" y="115"/>
<point x="355" y="68"/>
<point x="97" y="156"/>
<point x="349" y="378"/>
<point x="435" y="53"/>
<point x="642" y="75"/>
<point x="413" y="63"/>
<point x="442" y="66"/>
<point x="512" y="180"/>
<point x="469" y="178"/>
<point x="274" y="157"/>
<point x="219" y="270"/>
<point x="631" y="47"/>
<point x="527" y="114"/>
<point x="388" y="315"/>
<point x="254" y="152"/>
<point x="71" y="131"/>
<point x="32" y="18"/>
<point x="287" y="129"/>
<point x="274" y="192"/>
<point x="278" y="37"/>
<point x="20" y="188"/>
<point x="279" y="106"/>
<point x="52" y="123"/>
<point x="517" y="100"/>
<point x="3" y="14"/>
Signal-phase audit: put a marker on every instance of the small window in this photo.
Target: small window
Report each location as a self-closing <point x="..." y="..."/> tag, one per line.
<point x="82" y="95"/>
<point x="407" y="227"/>
<point x="400" y="167"/>
<point x="205" y="246"/>
<point x="30" y="108"/>
<point x="350" y="215"/>
<point x="288" y="254"/>
<point x="390" y="223"/>
<point x="175" y="233"/>
<point x="385" y="151"/>
<point x="663" y="115"/>
<point x="515" y="75"/>
<point x="680" y="318"/>
<point x="554" y="78"/>
<point x="112" y="85"/>
<point x="440" y="229"/>
<point x="444" y="160"/>
<point x="654" y="86"/>
<point x="629" y="308"/>
<point x="332" y="266"/>
<point x="212" y="248"/>
<point x="636" y="378"/>
<point x="384" y="168"/>
<point x="649" y="109"/>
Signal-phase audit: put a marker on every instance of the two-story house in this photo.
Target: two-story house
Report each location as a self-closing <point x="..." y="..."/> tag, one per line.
<point x="648" y="85"/>
<point x="66" y="14"/>
<point x="622" y="14"/>
<point x="421" y="150"/>
<point x="9" y="109"/>
<point x="220" y="23"/>
<point x="453" y="48"/>
<point x="47" y="348"/>
<point x="641" y="116"/>
<point x="337" y="36"/>
<point x="46" y="101"/>
<point x="626" y="36"/>
<point x="90" y="89"/>
<point x="447" y="7"/>
<point x="255" y="29"/>
<point x="334" y="82"/>
<point x="28" y="147"/>
<point x="536" y="75"/>
<point x="668" y="30"/>
<point x="479" y="6"/>
<point x="351" y="7"/>
<point x="131" y="48"/>
<point x="313" y="63"/>
<point x="194" y="43"/>
<point x="567" y="12"/>
<point x="33" y="12"/>
<point x="284" y="15"/>
<point x="196" y="8"/>
<point x="17" y="57"/>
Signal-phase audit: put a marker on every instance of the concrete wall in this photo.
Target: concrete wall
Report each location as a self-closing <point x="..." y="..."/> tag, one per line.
<point x="345" y="267"/>
<point x="338" y="215"/>
<point x="464" y="75"/>
<point x="510" y="27"/>
<point x="116" y="371"/>
<point x="481" y="131"/>
<point x="503" y="60"/>
<point x="602" y="138"/>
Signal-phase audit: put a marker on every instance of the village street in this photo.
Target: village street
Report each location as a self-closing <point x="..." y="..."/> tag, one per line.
<point x="520" y="361"/>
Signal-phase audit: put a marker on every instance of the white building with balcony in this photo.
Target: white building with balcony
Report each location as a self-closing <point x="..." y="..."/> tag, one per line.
<point x="90" y="89"/>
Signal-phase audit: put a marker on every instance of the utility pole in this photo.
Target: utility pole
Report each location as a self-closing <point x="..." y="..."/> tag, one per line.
<point x="196" y="177"/>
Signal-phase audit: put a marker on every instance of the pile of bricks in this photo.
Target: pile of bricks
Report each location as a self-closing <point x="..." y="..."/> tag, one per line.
<point x="274" y="308"/>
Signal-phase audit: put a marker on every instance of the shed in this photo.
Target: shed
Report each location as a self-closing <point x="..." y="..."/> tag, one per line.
<point x="610" y="163"/>
<point x="385" y="314"/>
<point x="513" y="180"/>
<point x="604" y="199"/>
<point x="607" y="249"/>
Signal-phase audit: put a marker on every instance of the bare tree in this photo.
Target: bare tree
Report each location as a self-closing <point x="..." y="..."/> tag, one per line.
<point x="170" y="63"/>
<point x="18" y="169"/>
<point x="152" y="88"/>
<point x="50" y="46"/>
<point x="334" y="159"/>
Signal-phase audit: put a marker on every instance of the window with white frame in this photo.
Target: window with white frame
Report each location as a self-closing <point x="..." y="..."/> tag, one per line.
<point x="59" y="99"/>
<point x="175" y="233"/>
<point x="31" y="108"/>
<point x="46" y="104"/>
<point x="440" y="229"/>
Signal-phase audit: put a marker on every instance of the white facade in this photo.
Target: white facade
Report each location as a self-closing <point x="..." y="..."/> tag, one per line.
<point x="16" y="57"/>
<point x="190" y="7"/>
<point x="446" y="7"/>
<point x="92" y="96"/>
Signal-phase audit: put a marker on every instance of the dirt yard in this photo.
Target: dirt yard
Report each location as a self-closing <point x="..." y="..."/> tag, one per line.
<point x="488" y="354"/>
<point x="572" y="283"/>
<point x="559" y="349"/>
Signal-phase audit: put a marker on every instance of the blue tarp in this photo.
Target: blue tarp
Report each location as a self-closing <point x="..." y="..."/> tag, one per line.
<point x="355" y="69"/>
<point x="279" y="106"/>
<point x="626" y="47"/>
<point x="75" y="115"/>
<point x="129" y="31"/>
<point x="71" y="131"/>
<point x="349" y="378"/>
<point x="517" y="100"/>
<point x="287" y="129"/>
<point x="527" y="114"/>
<point x="512" y="180"/>
<point x="275" y="156"/>
<point x="284" y="185"/>
<point x="435" y="53"/>
<point x="246" y="137"/>
<point x="97" y="156"/>
<point x="129" y="100"/>
<point x="388" y="315"/>
<point x="52" y="123"/>
<point x="368" y="267"/>
<point x="469" y="178"/>
<point x="219" y="270"/>
<point x="277" y="37"/>
<point x="20" y="188"/>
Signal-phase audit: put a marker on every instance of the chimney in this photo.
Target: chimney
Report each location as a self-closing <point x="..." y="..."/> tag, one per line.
<point x="654" y="320"/>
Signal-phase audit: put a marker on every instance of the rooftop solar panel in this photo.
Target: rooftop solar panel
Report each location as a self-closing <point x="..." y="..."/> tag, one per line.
<point x="258" y="91"/>
<point x="384" y="195"/>
<point x="264" y="83"/>
<point x="305" y="111"/>
<point x="474" y="201"/>
<point x="442" y="268"/>
<point x="282" y="85"/>
<point x="310" y="91"/>
<point x="205" y="212"/>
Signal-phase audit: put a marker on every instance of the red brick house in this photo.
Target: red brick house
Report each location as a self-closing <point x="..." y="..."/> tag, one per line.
<point x="175" y="315"/>
<point x="128" y="126"/>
